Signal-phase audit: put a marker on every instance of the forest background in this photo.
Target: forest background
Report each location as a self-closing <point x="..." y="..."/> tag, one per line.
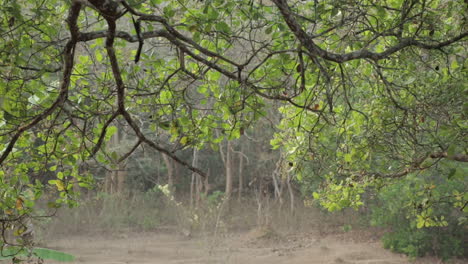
<point x="339" y="103"/>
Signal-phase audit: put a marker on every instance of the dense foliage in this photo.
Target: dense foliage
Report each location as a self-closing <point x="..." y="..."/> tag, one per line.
<point x="372" y="93"/>
<point x="421" y="234"/>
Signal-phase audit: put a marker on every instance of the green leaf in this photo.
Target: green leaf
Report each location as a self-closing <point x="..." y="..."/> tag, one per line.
<point x="202" y="89"/>
<point x="451" y="150"/>
<point x="223" y="27"/>
<point x="43" y="253"/>
<point x="165" y="125"/>
<point x="213" y="14"/>
<point x="169" y="12"/>
<point x="454" y="64"/>
<point x="114" y="156"/>
<point x="420" y="223"/>
<point x="381" y="12"/>
<point x="348" y="157"/>
<point x="111" y="130"/>
<point x="410" y="80"/>
<point x="316" y="195"/>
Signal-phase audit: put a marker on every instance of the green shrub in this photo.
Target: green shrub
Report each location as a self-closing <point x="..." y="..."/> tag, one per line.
<point x="422" y="216"/>
<point x="414" y="242"/>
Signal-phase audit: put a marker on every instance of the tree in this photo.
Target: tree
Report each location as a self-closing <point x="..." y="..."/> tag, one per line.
<point x="371" y="91"/>
<point x="395" y="105"/>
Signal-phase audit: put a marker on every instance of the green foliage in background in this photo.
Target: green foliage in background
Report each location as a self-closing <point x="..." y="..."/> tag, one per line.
<point x="371" y="93"/>
<point x="423" y="216"/>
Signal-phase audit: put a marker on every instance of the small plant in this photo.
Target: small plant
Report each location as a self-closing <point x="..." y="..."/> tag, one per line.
<point x="21" y="254"/>
<point x="347" y="227"/>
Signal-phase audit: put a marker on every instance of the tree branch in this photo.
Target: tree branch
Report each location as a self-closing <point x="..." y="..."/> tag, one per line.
<point x="456" y="157"/>
<point x="315" y="50"/>
<point x="124" y="157"/>
<point x="69" y="53"/>
<point x="121" y="99"/>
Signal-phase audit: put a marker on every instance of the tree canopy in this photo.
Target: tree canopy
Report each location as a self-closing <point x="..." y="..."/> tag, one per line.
<point x="370" y="92"/>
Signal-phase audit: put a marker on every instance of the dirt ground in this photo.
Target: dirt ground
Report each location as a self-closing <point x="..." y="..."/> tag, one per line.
<point x="255" y="246"/>
<point x="310" y="237"/>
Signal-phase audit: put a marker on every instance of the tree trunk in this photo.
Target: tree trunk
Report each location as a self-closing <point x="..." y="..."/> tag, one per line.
<point x="192" y="190"/>
<point x="177" y="171"/>
<point x="241" y="176"/>
<point x="206" y="182"/>
<point x="121" y="175"/>
<point x="170" y="172"/>
<point x="229" y="172"/>
<point x="115" y="180"/>
<point x="121" y="172"/>
<point x="199" y="189"/>
<point x="108" y="182"/>
<point x="195" y="182"/>
<point x="291" y="193"/>
<point x="277" y="175"/>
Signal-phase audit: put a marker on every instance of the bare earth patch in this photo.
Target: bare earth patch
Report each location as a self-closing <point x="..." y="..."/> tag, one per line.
<point x="255" y="246"/>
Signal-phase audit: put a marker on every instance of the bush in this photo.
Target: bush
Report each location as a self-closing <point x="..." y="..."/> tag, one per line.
<point x="414" y="242"/>
<point x="419" y="225"/>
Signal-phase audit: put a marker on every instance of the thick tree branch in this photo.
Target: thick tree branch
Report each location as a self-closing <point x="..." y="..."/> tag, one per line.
<point x="455" y="157"/>
<point x="88" y="36"/>
<point x="157" y="147"/>
<point x="124" y="157"/>
<point x="176" y="33"/>
<point x="121" y="99"/>
<point x="416" y="165"/>
<point x="308" y="42"/>
<point x="98" y="144"/>
<point x="68" y="54"/>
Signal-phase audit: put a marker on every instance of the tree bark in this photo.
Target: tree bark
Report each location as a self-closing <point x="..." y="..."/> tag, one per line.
<point x="229" y="172"/>
<point x="121" y="175"/>
<point x="241" y="176"/>
<point x="121" y="172"/>
<point x="115" y="179"/>
<point x="291" y="192"/>
<point x="170" y="172"/>
<point x="195" y="182"/>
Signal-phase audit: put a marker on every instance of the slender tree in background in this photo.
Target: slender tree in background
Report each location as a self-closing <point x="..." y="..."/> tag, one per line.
<point x="371" y="92"/>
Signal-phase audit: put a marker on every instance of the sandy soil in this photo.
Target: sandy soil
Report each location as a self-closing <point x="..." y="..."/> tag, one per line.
<point x="255" y="246"/>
